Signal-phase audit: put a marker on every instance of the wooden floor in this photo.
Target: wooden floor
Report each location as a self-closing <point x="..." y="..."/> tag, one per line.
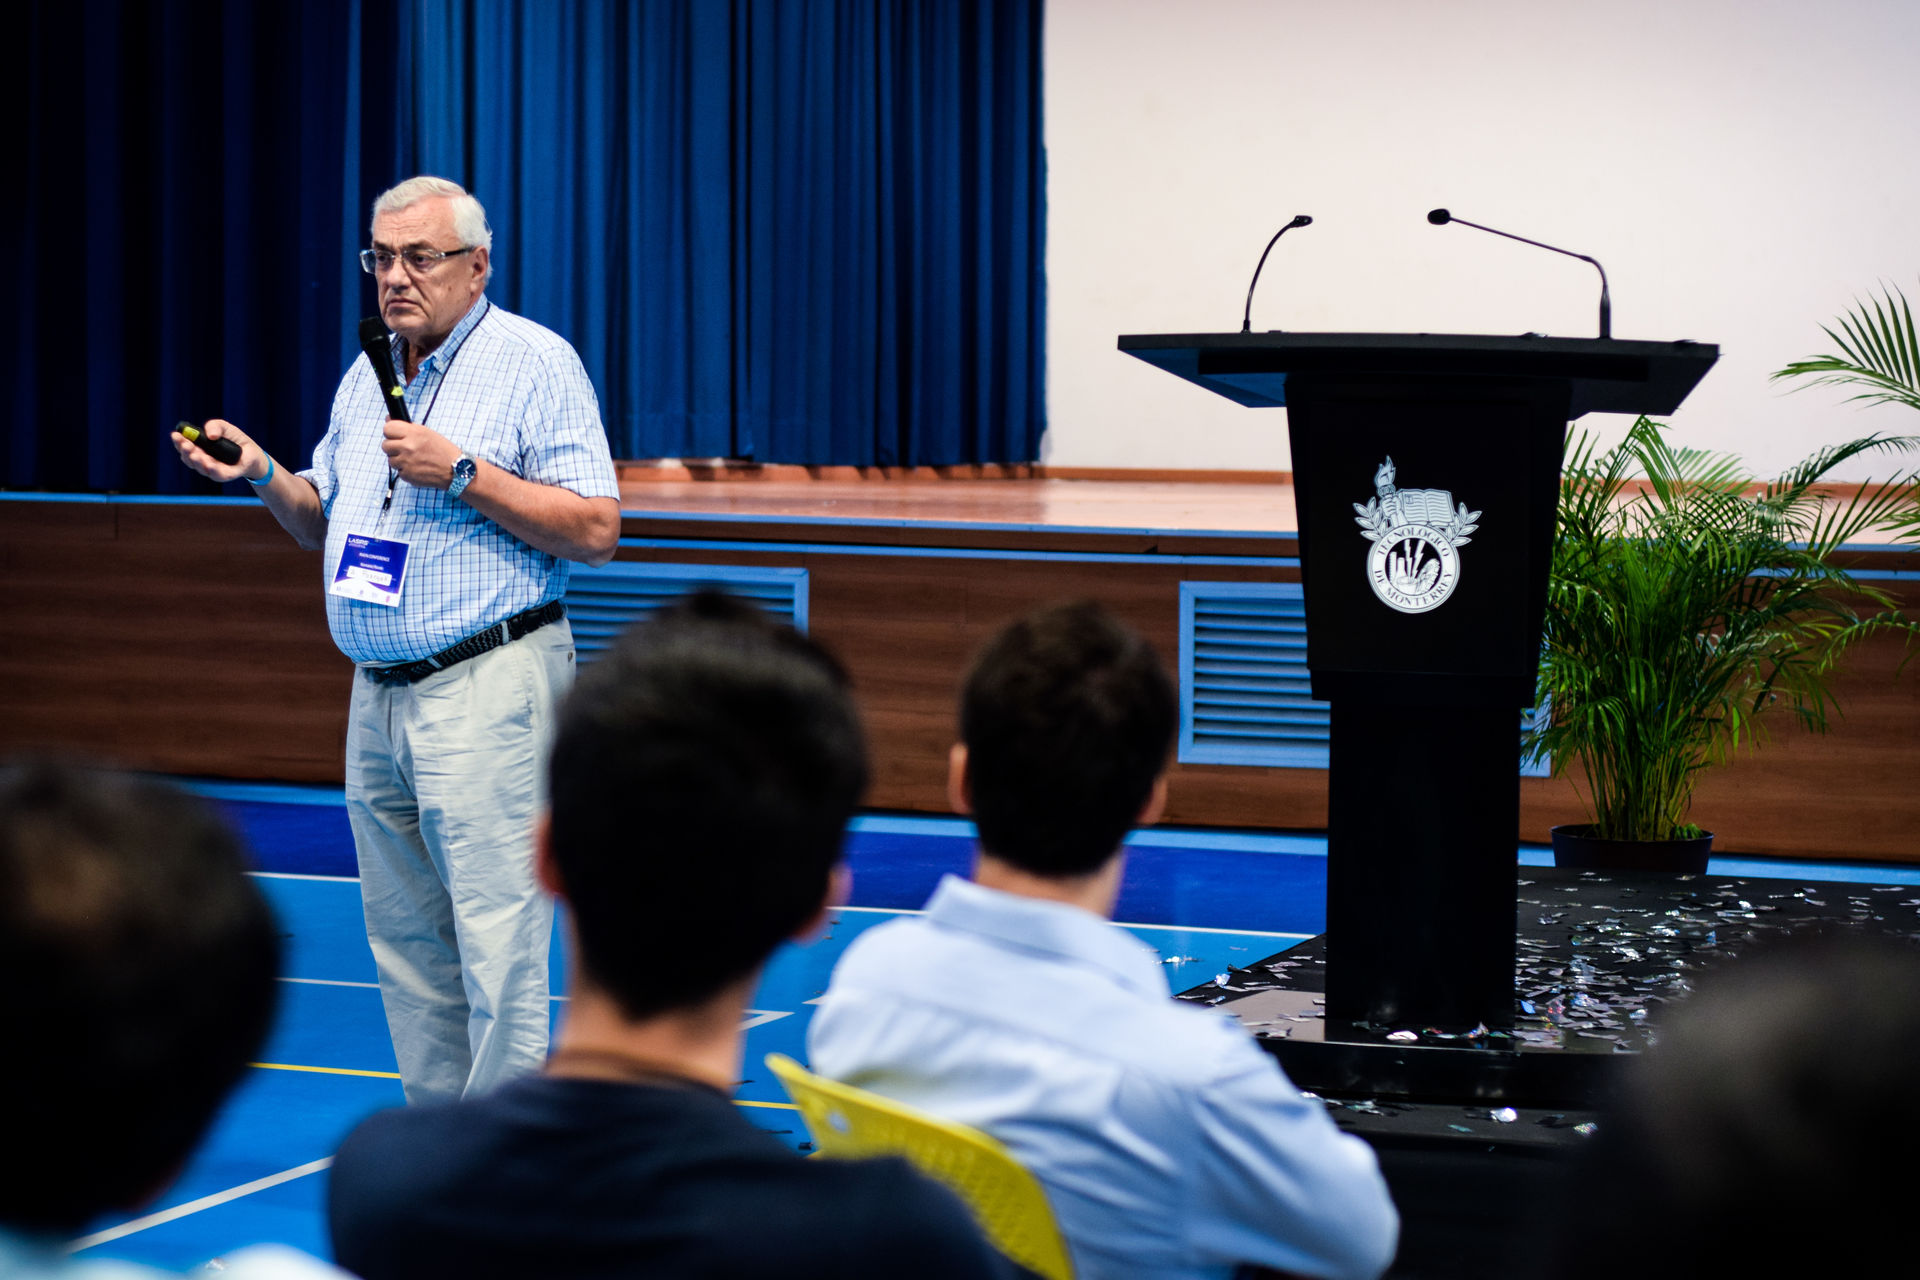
<point x="1158" y="501"/>
<point x="1184" y="506"/>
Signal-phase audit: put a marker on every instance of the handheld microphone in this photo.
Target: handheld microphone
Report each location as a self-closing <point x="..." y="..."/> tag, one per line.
<point x="1440" y="218"/>
<point x="220" y="450"/>
<point x="1246" y="317"/>
<point x="373" y="341"/>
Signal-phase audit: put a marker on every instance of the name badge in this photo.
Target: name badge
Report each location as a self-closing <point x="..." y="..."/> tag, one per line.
<point x="371" y="569"/>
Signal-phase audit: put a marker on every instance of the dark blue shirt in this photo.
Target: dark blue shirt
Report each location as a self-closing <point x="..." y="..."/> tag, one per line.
<point x="558" y="1178"/>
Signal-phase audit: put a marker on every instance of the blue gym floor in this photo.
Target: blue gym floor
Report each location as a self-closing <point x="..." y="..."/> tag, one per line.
<point x="1202" y="899"/>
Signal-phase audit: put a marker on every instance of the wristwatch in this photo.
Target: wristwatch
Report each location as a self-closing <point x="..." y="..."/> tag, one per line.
<point x="464" y="469"/>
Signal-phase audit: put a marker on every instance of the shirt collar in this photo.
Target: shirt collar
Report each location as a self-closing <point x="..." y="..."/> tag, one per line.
<point x="1052" y="929"/>
<point x="440" y="356"/>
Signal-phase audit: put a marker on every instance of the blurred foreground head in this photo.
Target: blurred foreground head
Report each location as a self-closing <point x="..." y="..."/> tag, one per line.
<point x="702" y="777"/>
<point x="1767" y="1131"/>
<point x="141" y="963"/>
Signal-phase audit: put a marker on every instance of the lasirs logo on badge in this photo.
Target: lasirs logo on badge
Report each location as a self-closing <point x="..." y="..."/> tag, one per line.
<point x="1417" y="535"/>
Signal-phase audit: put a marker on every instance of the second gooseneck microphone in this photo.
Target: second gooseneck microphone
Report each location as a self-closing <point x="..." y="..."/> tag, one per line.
<point x="1246" y="317"/>
<point x="1440" y="218"/>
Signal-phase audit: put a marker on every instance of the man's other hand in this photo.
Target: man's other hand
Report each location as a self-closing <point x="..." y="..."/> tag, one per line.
<point x="423" y="457"/>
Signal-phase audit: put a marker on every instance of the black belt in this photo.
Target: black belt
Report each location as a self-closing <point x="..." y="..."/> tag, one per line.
<point x="473" y="646"/>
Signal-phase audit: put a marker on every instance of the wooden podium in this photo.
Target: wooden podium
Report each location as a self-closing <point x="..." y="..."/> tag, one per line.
<point x="1426" y="469"/>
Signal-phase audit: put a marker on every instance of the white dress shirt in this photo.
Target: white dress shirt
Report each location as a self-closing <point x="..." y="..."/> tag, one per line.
<point x="1169" y="1143"/>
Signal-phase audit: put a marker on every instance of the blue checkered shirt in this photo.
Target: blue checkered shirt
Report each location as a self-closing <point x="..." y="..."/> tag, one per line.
<point x="503" y="389"/>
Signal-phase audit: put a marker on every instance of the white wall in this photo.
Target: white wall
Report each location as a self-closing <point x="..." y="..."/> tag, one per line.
<point x="1744" y="168"/>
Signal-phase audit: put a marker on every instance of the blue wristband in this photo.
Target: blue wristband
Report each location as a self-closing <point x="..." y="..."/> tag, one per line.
<point x="266" y="479"/>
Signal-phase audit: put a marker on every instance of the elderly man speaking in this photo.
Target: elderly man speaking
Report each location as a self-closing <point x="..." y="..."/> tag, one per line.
<point x="447" y="545"/>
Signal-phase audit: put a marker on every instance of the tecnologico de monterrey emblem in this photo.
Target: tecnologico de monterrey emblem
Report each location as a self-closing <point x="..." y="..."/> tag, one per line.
<point x="1417" y="535"/>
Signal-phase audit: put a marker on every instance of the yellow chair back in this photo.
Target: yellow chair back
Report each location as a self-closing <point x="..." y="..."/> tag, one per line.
<point x="1012" y="1209"/>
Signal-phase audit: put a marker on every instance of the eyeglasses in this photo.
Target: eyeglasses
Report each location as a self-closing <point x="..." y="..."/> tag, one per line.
<point x="419" y="261"/>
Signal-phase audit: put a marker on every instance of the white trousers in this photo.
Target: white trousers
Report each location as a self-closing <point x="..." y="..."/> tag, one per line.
<point x="445" y="780"/>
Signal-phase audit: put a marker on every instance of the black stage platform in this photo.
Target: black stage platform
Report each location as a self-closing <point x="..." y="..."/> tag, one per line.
<point x="1474" y="1131"/>
<point x="1598" y="954"/>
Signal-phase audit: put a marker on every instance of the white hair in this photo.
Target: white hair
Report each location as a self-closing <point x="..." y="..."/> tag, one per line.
<point x="469" y="219"/>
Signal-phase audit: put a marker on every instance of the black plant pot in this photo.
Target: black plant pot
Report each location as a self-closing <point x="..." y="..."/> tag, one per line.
<point x="1575" y="846"/>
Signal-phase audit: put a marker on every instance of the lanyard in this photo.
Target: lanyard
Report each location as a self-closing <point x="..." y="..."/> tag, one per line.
<point x="393" y="477"/>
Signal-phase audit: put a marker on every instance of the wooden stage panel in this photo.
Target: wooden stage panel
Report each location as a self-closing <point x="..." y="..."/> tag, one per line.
<point x="191" y="638"/>
<point x="186" y="639"/>
<point x="907" y="627"/>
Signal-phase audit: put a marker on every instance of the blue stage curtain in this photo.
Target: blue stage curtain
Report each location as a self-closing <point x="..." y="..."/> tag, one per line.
<point x="784" y="230"/>
<point x="787" y="230"/>
<point x="597" y="135"/>
<point x="891" y="190"/>
<point x="180" y="252"/>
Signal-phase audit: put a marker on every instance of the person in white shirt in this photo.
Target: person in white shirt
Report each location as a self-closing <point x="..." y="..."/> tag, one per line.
<point x="1170" y="1145"/>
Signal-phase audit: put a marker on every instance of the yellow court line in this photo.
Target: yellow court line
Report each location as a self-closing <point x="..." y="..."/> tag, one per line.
<point x="395" y="1075"/>
<point x="327" y="1071"/>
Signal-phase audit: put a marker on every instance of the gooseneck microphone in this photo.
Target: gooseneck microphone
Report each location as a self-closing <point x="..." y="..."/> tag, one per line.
<point x="1440" y="218"/>
<point x="373" y="341"/>
<point x="1246" y="317"/>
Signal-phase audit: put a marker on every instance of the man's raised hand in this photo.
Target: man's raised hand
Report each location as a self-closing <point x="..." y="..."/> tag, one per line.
<point x="251" y="466"/>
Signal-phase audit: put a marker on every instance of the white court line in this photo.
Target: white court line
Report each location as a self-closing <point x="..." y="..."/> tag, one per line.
<point x="885" y="911"/>
<point x="1176" y="928"/>
<point x="195" y="1206"/>
<point x="292" y="875"/>
<point x="1195" y="928"/>
<point x="371" y="986"/>
<point x="755" y="1018"/>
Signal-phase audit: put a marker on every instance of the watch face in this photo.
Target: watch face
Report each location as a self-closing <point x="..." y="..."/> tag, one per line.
<point x="463" y="472"/>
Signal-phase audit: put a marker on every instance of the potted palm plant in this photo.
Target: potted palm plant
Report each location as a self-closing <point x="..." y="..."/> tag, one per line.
<point x="1879" y="353"/>
<point x="1685" y="601"/>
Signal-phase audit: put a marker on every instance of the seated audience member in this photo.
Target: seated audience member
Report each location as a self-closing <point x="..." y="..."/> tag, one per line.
<point x="1765" y="1131"/>
<point x="142" y="964"/>
<point x="1169" y="1144"/>
<point x="701" y="781"/>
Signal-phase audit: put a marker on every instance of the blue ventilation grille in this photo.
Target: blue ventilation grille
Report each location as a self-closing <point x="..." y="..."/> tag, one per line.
<point x="1245" y="696"/>
<point x="603" y="602"/>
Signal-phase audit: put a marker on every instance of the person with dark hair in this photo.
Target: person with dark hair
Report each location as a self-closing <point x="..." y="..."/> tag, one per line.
<point x="1764" y="1131"/>
<point x="145" y="967"/>
<point x="1169" y="1144"/>
<point x="702" y="777"/>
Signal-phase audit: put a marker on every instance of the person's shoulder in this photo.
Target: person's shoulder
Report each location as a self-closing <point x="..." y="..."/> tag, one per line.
<point x="1215" y="1046"/>
<point x="278" y="1262"/>
<point x="411" y="1122"/>
<point x="901" y="931"/>
<point x="890" y="1216"/>
<point x="502" y="328"/>
<point x="389" y="1150"/>
<point x="886" y="951"/>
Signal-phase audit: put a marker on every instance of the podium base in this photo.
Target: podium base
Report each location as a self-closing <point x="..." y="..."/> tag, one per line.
<point x="1599" y="955"/>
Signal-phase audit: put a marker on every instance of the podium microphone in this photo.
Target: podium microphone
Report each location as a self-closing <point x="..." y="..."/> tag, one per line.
<point x="373" y="341"/>
<point x="1246" y="318"/>
<point x="1440" y="218"/>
